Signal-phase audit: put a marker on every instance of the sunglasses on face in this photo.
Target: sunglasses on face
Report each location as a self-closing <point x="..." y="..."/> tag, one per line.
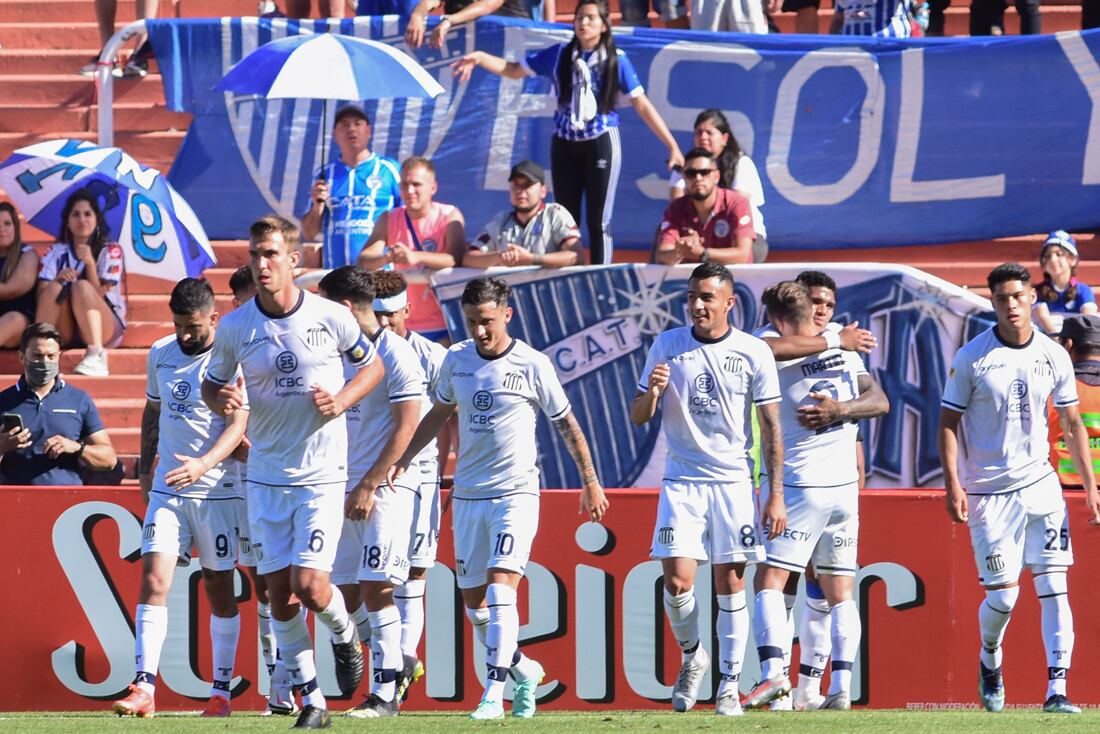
<point x="697" y="172"/>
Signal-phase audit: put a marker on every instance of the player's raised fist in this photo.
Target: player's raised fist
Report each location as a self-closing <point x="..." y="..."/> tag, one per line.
<point x="658" y="379"/>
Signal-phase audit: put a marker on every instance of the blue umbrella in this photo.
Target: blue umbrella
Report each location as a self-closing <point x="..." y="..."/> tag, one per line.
<point x="329" y="66"/>
<point x="157" y="229"/>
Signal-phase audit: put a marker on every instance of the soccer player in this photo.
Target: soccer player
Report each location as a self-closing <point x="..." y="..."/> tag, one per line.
<point x="194" y="499"/>
<point x="391" y="306"/>
<point x="997" y="392"/>
<point x="290" y="346"/>
<point x="497" y="383"/>
<point x="712" y="374"/>
<point x="373" y="555"/>
<point x="823" y="395"/>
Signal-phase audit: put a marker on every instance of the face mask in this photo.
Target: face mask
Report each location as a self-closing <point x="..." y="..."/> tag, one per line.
<point x="41" y="372"/>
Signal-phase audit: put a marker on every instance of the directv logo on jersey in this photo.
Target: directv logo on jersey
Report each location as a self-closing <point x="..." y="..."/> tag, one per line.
<point x="514" y="381"/>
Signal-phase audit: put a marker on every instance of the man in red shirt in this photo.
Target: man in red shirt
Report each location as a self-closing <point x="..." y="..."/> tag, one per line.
<point x="708" y="222"/>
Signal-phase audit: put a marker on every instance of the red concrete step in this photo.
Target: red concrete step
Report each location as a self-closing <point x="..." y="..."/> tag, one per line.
<point x="138" y="285"/>
<point x="154" y="149"/>
<point x="84" y="10"/>
<point x="42" y="34"/>
<point x="127" y="441"/>
<point x="122" y="361"/>
<point x="128" y="117"/>
<point x="44" y="60"/>
<point x="100" y="388"/>
<point x="231" y="253"/>
<point x="74" y="89"/>
<point x="149" y="307"/>
<point x="121" y="412"/>
<point x="142" y="334"/>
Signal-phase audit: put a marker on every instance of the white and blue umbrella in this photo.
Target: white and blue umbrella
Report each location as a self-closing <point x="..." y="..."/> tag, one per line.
<point x="157" y="229"/>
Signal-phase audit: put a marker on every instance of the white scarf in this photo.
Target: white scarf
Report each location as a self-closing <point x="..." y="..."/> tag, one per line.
<point x="583" y="107"/>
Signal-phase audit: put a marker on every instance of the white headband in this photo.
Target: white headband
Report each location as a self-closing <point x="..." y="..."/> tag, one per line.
<point x="393" y="303"/>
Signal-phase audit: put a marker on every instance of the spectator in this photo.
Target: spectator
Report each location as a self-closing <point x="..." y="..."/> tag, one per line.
<point x="325" y="8"/>
<point x="805" y="19"/>
<point x="83" y="277"/>
<point x="673" y="13"/>
<point x="709" y="223"/>
<point x="421" y="233"/>
<point x="349" y="194"/>
<point x="242" y="285"/>
<point x="1060" y="292"/>
<point x="987" y="17"/>
<point x="1080" y="335"/>
<point x="18" y="278"/>
<point x="59" y="424"/>
<point x="880" y="18"/>
<point x="737" y="16"/>
<point x="456" y="12"/>
<point x="590" y="77"/>
<point x="532" y="232"/>
<point x="1090" y="14"/>
<point x="735" y="171"/>
<point x="138" y="64"/>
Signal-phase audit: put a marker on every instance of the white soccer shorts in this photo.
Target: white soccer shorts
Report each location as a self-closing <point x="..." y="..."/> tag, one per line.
<point x="246" y="556"/>
<point x="377" y="549"/>
<point x="295" y="525"/>
<point x="822" y="526"/>
<point x="427" y="513"/>
<point x="1029" y="526"/>
<point x="707" y="521"/>
<point x="174" y="525"/>
<point x="493" y="533"/>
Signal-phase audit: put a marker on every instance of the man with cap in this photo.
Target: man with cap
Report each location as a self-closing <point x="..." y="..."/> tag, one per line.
<point x="351" y="193"/>
<point x="1080" y="336"/>
<point x="1060" y="293"/>
<point x="532" y="232"/>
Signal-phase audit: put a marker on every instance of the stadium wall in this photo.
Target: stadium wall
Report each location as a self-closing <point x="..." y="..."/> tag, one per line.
<point x="591" y="607"/>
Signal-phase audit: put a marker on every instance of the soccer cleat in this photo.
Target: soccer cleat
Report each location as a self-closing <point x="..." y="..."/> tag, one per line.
<point x="217" y="706"/>
<point x="138" y="703"/>
<point x="373" y="708"/>
<point x="686" y="691"/>
<point x="349" y="662"/>
<point x="991" y="688"/>
<point x="837" y="702"/>
<point x="313" y="717"/>
<point x="783" y="703"/>
<point x="411" y="672"/>
<point x="805" y="701"/>
<point x="728" y="705"/>
<point x="281" y="702"/>
<point x="1059" y="704"/>
<point x="488" y="711"/>
<point x="767" y="691"/>
<point x="523" y="695"/>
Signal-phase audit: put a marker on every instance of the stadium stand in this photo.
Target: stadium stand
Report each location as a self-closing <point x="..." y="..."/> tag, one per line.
<point x="42" y="96"/>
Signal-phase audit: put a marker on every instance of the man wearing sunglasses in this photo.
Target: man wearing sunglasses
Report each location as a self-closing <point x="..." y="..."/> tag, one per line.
<point x="708" y="222"/>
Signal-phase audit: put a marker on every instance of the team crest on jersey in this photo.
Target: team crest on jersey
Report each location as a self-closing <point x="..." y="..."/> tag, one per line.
<point x="1017" y="389"/>
<point x="733" y="363"/>
<point x="704" y="382"/>
<point x="514" y="381"/>
<point x="181" y="390"/>
<point x="483" y="400"/>
<point x="316" y="336"/>
<point x="428" y="246"/>
<point x="286" y="362"/>
<point x="721" y="228"/>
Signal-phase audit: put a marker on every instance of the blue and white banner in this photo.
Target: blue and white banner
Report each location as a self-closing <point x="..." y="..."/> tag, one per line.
<point x="859" y="142"/>
<point x="597" y="324"/>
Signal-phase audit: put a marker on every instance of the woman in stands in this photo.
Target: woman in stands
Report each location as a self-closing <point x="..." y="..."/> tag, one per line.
<point x="736" y="171"/>
<point x="82" y="279"/>
<point x="18" y="271"/>
<point x="590" y="77"/>
<point x="1060" y="293"/>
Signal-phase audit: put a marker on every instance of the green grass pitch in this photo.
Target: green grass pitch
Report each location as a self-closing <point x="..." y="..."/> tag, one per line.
<point x="940" y="722"/>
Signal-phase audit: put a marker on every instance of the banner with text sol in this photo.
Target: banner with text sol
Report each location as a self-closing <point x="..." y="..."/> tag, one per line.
<point x="597" y="323"/>
<point x="859" y="141"/>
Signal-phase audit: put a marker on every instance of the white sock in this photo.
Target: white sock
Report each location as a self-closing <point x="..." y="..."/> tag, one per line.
<point x="770" y="623"/>
<point x="361" y="619"/>
<point x="479" y="618"/>
<point x="224" y="634"/>
<point x="267" y="637"/>
<point x="409" y="600"/>
<point x="296" y="651"/>
<point x="733" y="637"/>
<point x="846" y="632"/>
<point x="151" y="627"/>
<point x="814" y="643"/>
<point x="502" y="638"/>
<point x="385" y="651"/>
<point x="335" y="617"/>
<point x="523" y="667"/>
<point x="1053" y="592"/>
<point x="993" y="616"/>
<point x="788" y="632"/>
<point x="683" y="618"/>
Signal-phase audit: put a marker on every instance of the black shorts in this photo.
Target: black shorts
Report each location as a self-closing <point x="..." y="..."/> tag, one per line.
<point x="793" y="6"/>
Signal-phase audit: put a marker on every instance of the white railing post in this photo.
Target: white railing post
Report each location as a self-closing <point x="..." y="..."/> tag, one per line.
<point x="104" y="80"/>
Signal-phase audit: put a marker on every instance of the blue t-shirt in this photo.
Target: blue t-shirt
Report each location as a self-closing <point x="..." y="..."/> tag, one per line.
<point x="1076" y="295"/>
<point x="545" y="63"/>
<point x="357" y="198"/>
<point x="65" y="411"/>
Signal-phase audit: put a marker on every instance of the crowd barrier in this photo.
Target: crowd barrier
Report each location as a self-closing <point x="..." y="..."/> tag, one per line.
<point x="859" y="141"/>
<point x="590" y="607"/>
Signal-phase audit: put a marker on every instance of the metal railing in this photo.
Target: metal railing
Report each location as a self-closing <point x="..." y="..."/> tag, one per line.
<point x="105" y="80"/>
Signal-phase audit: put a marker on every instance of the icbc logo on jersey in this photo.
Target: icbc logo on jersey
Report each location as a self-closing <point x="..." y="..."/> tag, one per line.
<point x="286" y="363"/>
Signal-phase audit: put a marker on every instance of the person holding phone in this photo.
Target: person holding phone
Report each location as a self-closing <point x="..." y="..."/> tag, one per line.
<point x="50" y="428"/>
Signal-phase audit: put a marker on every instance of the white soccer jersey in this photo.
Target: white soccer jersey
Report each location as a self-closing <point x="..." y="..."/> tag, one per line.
<point x="823" y="457"/>
<point x="282" y="357"/>
<point x="370" y="422"/>
<point x="705" y="408"/>
<point x="431" y="356"/>
<point x="187" y="427"/>
<point x="1002" y="392"/>
<point x="498" y="399"/>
